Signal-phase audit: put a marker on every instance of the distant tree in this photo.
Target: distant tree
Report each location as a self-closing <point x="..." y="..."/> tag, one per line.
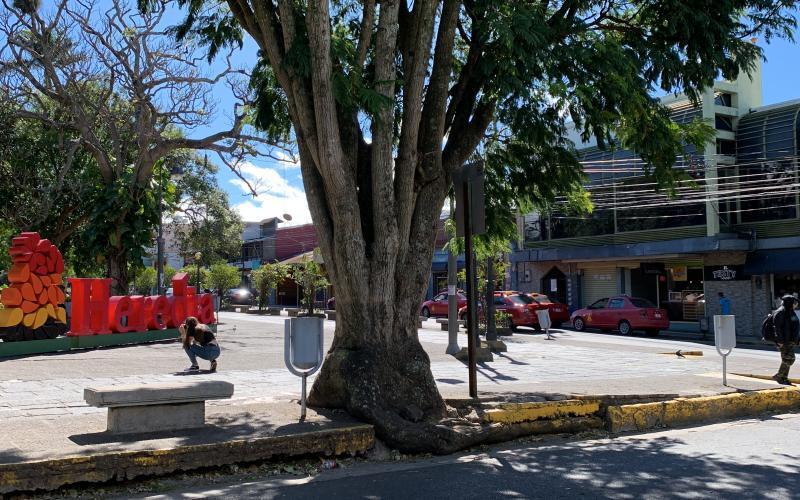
<point x="222" y="277"/>
<point x="191" y="270"/>
<point x="203" y="215"/>
<point x="169" y="272"/>
<point x="266" y="279"/>
<point x="311" y="278"/>
<point x="144" y="281"/>
<point x="122" y="89"/>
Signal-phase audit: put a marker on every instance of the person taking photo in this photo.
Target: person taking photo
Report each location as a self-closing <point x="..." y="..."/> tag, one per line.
<point x="199" y="342"/>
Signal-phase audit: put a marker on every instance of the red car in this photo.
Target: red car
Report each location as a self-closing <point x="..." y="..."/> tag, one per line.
<point x="559" y="313"/>
<point x="437" y="306"/>
<point x="622" y="313"/>
<point x="519" y="306"/>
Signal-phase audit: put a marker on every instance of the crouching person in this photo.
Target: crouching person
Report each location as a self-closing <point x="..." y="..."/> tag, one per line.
<point x="199" y="342"/>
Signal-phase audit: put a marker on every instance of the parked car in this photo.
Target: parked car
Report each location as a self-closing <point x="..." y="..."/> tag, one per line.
<point x="519" y="306"/>
<point x="240" y="297"/>
<point x="622" y="313"/>
<point x="330" y="305"/>
<point x="437" y="306"/>
<point x="559" y="313"/>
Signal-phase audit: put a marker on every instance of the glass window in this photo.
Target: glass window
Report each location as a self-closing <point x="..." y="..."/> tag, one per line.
<point x="542" y="299"/>
<point x="642" y="303"/>
<point x="616" y="304"/>
<point x="523" y="299"/>
<point x="500" y="301"/>
<point x="440" y="297"/>
<point x="600" y="304"/>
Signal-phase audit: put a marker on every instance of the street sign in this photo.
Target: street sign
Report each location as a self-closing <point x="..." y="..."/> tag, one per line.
<point x="470" y="177"/>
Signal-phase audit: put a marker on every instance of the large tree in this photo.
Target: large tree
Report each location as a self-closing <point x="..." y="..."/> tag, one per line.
<point x="387" y="99"/>
<point x="125" y="92"/>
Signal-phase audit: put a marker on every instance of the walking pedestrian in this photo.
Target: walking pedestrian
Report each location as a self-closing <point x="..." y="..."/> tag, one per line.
<point x="199" y="342"/>
<point x="724" y="304"/>
<point x="787" y="335"/>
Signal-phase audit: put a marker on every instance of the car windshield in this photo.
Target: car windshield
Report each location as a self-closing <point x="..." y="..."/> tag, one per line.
<point x="543" y="299"/>
<point x="642" y="303"/>
<point x="520" y="299"/>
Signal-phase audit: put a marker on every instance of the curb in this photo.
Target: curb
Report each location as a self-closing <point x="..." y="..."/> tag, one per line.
<point x="681" y="411"/>
<point x="514" y="413"/>
<point x="52" y="474"/>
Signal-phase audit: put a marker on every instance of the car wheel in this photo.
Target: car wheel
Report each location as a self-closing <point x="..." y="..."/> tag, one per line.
<point x="578" y="324"/>
<point x="625" y="327"/>
<point x="512" y="327"/>
<point x="652" y="333"/>
<point x="426" y="312"/>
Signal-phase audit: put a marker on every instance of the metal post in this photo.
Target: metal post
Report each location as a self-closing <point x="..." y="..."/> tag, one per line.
<point x="725" y="370"/>
<point x="491" y="330"/>
<point x="472" y="326"/>
<point x="452" y="297"/>
<point x="160" y="240"/>
<point x="303" y="399"/>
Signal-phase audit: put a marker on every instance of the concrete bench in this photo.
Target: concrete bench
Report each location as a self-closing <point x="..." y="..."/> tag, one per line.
<point x="156" y="407"/>
<point x="331" y="314"/>
<point x="445" y="323"/>
<point x="292" y="311"/>
<point x="274" y="311"/>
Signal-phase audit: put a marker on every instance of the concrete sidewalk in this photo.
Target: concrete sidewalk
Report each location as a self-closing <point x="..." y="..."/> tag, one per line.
<point x="46" y="421"/>
<point x="46" y="453"/>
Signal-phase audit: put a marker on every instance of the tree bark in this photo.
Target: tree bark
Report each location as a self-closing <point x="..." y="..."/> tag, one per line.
<point x="117" y="270"/>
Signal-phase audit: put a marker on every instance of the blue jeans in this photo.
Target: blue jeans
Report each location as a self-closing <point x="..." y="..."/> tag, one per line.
<point x="209" y="352"/>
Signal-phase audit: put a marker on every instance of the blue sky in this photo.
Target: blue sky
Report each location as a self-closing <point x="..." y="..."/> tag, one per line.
<point x="280" y="183"/>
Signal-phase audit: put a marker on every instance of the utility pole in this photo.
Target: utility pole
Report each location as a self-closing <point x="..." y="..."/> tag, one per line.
<point x="470" y="219"/>
<point x="472" y="303"/>
<point x="452" y="294"/>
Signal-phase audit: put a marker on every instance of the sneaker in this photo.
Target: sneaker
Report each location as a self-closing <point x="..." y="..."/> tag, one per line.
<point x="213" y="365"/>
<point x="193" y="368"/>
<point x="781" y="380"/>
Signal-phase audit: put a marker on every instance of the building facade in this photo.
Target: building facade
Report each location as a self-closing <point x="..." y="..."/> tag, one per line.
<point x="733" y="225"/>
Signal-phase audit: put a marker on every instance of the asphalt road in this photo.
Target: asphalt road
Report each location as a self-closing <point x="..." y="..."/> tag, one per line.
<point x="755" y="458"/>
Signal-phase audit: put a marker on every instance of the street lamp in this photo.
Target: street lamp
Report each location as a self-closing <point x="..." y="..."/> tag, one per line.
<point x="197" y="256"/>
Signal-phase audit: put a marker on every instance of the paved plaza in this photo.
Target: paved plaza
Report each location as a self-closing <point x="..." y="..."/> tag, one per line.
<point x="51" y="386"/>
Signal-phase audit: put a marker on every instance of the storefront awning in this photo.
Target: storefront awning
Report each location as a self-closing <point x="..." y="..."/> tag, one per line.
<point x="785" y="260"/>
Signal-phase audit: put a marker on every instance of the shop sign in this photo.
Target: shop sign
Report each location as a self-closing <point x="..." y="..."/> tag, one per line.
<point x="652" y="268"/>
<point x="724" y="273"/>
<point x="680" y="273"/>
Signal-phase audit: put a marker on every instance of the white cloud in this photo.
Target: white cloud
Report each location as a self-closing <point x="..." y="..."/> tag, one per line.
<point x="275" y="196"/>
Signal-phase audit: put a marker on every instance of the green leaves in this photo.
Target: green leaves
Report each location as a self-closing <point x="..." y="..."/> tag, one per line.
<point x="267" y="278"/>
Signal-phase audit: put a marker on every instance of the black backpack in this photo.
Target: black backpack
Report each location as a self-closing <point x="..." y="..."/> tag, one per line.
<point x="768" y="329"/>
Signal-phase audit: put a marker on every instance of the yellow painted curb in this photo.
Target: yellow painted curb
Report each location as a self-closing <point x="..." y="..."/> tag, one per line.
<point x="55" y="473"/>
<point x="677" y="412"/>
<point x="511" y="413"/>
<point x="764" y="377"/>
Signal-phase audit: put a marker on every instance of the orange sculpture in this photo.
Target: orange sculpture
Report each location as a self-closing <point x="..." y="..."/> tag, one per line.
<point x="33" y="303"/>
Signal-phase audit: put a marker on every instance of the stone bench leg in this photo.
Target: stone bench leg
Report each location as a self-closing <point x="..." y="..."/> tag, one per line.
<point x="129" y="419"/>
<point x="445" y="327"/>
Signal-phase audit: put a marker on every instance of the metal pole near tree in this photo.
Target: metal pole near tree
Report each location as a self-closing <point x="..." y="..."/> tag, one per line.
<point x="452" y="295"/>
<point x="491" y="330"/>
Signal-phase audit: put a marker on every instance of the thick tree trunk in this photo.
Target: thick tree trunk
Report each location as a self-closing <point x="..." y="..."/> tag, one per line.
<point x="117" y="270"/>
<point x="376" y="368"/>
